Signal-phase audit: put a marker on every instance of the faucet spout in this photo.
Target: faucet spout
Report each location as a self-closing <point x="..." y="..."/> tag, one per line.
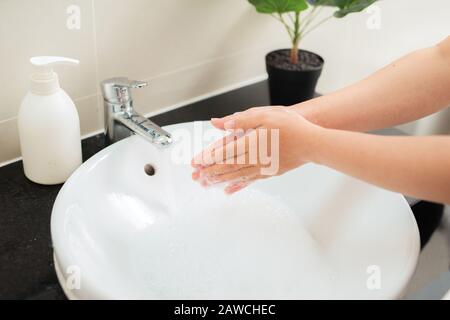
<point x="121" y="120"/>
<point x="144" y="128"/>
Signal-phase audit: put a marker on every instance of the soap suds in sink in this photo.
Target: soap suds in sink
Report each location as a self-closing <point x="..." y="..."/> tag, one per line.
<point x="247" y="246"/>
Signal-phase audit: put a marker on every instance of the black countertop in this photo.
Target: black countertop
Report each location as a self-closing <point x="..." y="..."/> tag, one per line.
<point x="26" y="255"/>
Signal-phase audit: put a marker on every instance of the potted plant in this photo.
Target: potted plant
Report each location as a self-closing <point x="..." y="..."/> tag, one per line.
<point x="293" y="73"/>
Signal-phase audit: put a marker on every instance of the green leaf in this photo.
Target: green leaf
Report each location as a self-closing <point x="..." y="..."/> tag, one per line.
<point x="345" y="6"/>
<point x="279" y="6"/>
<point x="351" y="6"/>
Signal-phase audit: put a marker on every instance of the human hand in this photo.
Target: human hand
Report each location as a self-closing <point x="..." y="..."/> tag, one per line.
<point x="263" y="142"/>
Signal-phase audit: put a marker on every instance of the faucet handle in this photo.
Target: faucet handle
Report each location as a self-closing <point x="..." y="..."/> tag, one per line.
<point x="126" y="83"/>
<point x="117" y="90"/>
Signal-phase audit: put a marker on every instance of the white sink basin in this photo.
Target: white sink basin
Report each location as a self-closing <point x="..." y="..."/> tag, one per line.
<point x="312" y="233"/>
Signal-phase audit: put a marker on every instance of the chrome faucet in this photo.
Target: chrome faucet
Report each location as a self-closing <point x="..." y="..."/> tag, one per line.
<point x="121" y="120"/>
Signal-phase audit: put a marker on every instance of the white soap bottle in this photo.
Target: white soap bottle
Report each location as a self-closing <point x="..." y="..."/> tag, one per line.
<point x="49" y="126"/>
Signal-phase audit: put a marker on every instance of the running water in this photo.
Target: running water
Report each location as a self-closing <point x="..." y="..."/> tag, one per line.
<point x="247" y="246"/>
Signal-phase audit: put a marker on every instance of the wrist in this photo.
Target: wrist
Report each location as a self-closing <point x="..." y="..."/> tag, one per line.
<point x="308" y="133"/>
<point x="318" y="138"/>
<point x="308" y="110"/>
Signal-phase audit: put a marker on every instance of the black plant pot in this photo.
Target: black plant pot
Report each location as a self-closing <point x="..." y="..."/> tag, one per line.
<point x="288" y="83"/>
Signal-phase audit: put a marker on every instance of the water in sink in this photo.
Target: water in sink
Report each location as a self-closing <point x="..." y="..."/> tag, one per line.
<point x="244" y="246"/>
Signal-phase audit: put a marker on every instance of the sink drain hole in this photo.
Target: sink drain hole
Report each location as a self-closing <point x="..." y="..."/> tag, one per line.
<point x="149" y="170"/>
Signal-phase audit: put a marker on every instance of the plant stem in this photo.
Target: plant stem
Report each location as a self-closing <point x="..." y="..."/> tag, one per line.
<point x="299" y="29"/>
<point x="296" y="39"/>
<point x="306" y="32"/>
<point x="312" y="15"/>
<point x="308" y="18"/>
<point x="291" y="18"/>
<point x="288" y="29"/>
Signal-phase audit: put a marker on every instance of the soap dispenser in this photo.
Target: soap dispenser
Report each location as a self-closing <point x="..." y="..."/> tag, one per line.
<point x="49" y="126"/>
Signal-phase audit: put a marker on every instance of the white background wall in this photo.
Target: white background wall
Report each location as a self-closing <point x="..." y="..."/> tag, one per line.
<point x="352" y="51"/>
<point x="187" y="48"/>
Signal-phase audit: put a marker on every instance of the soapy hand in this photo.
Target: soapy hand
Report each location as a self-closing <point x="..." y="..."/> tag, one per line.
<point x="262" y="142"/>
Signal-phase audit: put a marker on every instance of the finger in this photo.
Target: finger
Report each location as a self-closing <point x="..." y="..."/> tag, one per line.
<point x="242" y="175"/>
<point x="239" y="125"/>
<point x="240" y="150"/>
<point x="196" y="175"/>
<point x="219" y="169"/>
<point x="206" y="157"/>
<point x="235" y="187"/>
<point x="249" y="119"/>
<point x="204" y="183"/>
<point x="239" y="185"/>
<point x="219" y="123"/>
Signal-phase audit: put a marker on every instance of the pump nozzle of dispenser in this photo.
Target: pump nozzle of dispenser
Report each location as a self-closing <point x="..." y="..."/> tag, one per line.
<point x="44" y="81"/>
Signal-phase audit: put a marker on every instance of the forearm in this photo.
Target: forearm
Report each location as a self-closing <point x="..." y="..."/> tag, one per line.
<point x="415" y="166"/>
<point x="410" y="88"/>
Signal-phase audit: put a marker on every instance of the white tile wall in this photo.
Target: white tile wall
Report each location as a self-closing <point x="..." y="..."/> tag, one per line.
<point x="29" y="28"/>
<point x="9" y="139"/>
<point x="186" y="48"/>
<point x="352" y="51"/>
